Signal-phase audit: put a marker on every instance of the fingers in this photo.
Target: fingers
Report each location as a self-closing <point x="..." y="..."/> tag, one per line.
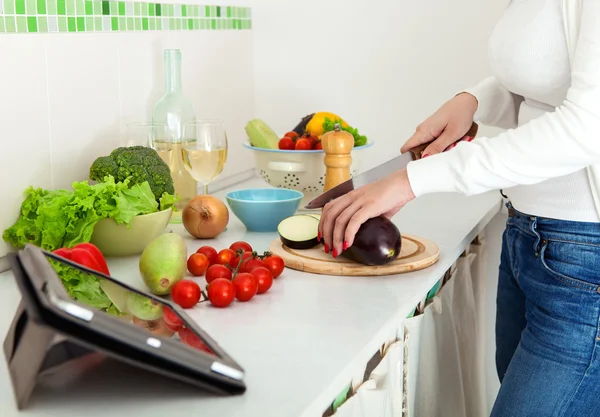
<point x="340" y="242"/>
<point x="422" y="135"/>
<point x="328" y="217"/>
<point x="357" y="219"/>
<point x="446" y="139"/>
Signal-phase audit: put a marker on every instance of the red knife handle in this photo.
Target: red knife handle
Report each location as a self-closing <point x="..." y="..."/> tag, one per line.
<point x="417" y="151"/>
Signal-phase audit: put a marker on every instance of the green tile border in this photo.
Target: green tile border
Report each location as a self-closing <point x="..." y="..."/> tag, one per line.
<point x="74" y="16"/>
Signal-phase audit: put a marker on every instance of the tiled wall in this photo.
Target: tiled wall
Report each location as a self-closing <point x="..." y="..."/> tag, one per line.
<point x="65" y="98"/>
<point x="31" y="16"/>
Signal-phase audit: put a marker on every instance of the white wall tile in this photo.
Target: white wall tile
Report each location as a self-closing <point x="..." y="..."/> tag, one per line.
<point x="24" y="137"/>
<point x="140" y="76"/>
<point x="83" y="94"/>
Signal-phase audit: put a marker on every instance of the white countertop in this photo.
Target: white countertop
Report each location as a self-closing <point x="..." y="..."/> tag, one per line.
<point x="300" y="343"/>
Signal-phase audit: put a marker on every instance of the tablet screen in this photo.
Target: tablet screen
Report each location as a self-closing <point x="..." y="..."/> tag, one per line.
<point x="130" y="307"/>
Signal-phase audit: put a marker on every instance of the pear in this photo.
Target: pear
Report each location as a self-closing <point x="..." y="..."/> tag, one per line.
<point x="164" y="263"/>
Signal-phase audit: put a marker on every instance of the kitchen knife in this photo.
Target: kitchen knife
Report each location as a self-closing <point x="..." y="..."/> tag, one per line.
<point x="380" y="171"/>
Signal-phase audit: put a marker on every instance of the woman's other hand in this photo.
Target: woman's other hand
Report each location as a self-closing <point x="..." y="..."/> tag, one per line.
<point x="342" y="217"/>
<point x="445" y="126"/>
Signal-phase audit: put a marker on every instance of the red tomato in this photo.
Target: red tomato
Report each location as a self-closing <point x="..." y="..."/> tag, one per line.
<point x="190" y="338"/>
<point x="241" y="245"/>
<point x="186" y="293"/>
<point x="264" y="278"/>
<point x="303" y="145"/>
<point x="246" y="286"/>
<point x="226" y="257"/>
<point x="197" y="264"/>
<point x="246" y="257"/>
<point x="221" y="292"/>
<point x="292" y="135"/>
<point x="209" y="252"/>
<point x="312" y="139"/>
<point x="318" y="145"/>
<point x="249" y="265"/>
<point x="217" y="271"/>
<point x="275" y="264"/>
<point x="286" y="144"/>
<point x="172" y="320"/>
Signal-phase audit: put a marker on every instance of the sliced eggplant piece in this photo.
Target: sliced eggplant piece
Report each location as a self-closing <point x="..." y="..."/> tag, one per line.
<point x="377" y="242"/>
<point x="299" y="231"/>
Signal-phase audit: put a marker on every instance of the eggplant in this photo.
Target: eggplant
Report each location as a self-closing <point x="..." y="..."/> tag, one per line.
<point x="299" y="231"/>
<point x="301" y="127"/>
<point x="377" y="242"/>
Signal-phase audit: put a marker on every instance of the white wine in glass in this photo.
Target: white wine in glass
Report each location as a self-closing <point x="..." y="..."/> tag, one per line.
<point x="204" y="151"/>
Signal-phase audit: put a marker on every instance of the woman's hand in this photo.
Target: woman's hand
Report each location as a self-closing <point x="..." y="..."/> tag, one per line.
<point x="342" y="217"/>
<point x="445" y="126"/>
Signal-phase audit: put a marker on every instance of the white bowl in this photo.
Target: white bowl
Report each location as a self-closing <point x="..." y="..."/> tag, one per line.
<point x="299" y="170"/>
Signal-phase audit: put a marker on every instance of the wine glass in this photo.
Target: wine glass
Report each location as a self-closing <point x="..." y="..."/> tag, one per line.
<point x="150" y="135"/>
<point x="204" y="150"/>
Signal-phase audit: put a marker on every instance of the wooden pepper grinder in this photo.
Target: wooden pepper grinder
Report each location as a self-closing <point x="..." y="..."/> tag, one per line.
<point x="337" y="145"/>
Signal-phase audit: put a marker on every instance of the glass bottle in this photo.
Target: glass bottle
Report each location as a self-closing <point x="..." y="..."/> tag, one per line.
<point x="174" y="110"/>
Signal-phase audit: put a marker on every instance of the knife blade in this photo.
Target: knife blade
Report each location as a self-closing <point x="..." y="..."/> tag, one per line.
<point x="380" y="172"/>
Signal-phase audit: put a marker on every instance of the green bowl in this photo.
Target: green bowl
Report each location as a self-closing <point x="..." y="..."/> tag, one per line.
<point x="119" y="240"/>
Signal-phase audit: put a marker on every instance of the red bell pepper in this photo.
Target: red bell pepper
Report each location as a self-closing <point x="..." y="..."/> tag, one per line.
<point x="85" y="254"/>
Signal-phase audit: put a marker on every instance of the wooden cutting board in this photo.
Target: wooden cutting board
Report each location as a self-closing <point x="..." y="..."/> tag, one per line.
<point x="415" y="253"/>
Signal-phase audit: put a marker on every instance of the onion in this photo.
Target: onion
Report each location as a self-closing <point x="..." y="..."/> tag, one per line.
<point x="205" y="217"/>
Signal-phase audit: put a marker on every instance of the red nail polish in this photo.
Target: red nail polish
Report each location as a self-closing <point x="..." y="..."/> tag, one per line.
<point x="346" y="245"/>
<point x="425" y="155"/>
<point x="326" y="248"/>
<point x="469" y="138"/>
<point x="319" y="236"/>
<point x="335" y="254"/>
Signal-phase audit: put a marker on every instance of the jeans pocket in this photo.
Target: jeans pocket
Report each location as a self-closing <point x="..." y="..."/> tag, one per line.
<point x="572" y="263"/>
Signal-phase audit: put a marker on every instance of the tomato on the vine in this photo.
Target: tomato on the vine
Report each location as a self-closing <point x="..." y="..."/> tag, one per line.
<point x="209" y="252"/>
<point x="251" y="264"/>
<point x="186" y="293"/>
<point x="264" y="278"/>
<point x="226" y="257"/>
<point x="197" y="264"/>
<point x="286" y="143"/>
<point x="275" y="264"/>
<point x="221" y="292"/>
<point x="245" y="246"/>
<point x="245" y="258"/>
<point x="246" y="286"/>
<point x="291" y="135"/>
<point x="217" y="271"/>
<point x="303" y="145"/>
<point x="172" y="320"/>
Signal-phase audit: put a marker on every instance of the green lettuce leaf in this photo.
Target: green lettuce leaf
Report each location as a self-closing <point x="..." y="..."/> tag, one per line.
<point x="329" y="125"/>
<point x="53" y="219"/>
<point x="83" y="287"/>
<point x="167" y="201"/>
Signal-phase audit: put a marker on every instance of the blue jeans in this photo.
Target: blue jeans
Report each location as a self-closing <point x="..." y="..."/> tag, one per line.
<point x="548" y="318"/>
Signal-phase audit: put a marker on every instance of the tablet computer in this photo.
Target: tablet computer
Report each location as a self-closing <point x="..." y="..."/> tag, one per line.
<point x="139" y="328"/>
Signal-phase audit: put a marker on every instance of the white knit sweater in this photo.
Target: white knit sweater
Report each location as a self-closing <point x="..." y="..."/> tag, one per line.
<point x="551" y="112"/>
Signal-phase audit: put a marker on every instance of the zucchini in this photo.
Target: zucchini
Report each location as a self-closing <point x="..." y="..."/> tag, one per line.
<point x="261" y="135"/>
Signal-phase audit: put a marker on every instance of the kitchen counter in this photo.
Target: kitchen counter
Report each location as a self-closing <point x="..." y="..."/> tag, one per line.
<point x="300" y="344"/>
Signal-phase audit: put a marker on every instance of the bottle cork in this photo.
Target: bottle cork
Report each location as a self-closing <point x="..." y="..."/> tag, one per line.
<point x="337" y="145"/>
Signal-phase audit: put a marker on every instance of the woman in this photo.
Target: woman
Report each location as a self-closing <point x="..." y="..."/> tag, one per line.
<point x="548" y="304"/>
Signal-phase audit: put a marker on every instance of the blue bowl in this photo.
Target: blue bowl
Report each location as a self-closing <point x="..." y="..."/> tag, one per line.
<point x="262" y="209"/>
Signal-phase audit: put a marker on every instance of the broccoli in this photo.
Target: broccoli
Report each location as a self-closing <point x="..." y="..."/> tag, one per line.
<point x="137" y="163"/>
